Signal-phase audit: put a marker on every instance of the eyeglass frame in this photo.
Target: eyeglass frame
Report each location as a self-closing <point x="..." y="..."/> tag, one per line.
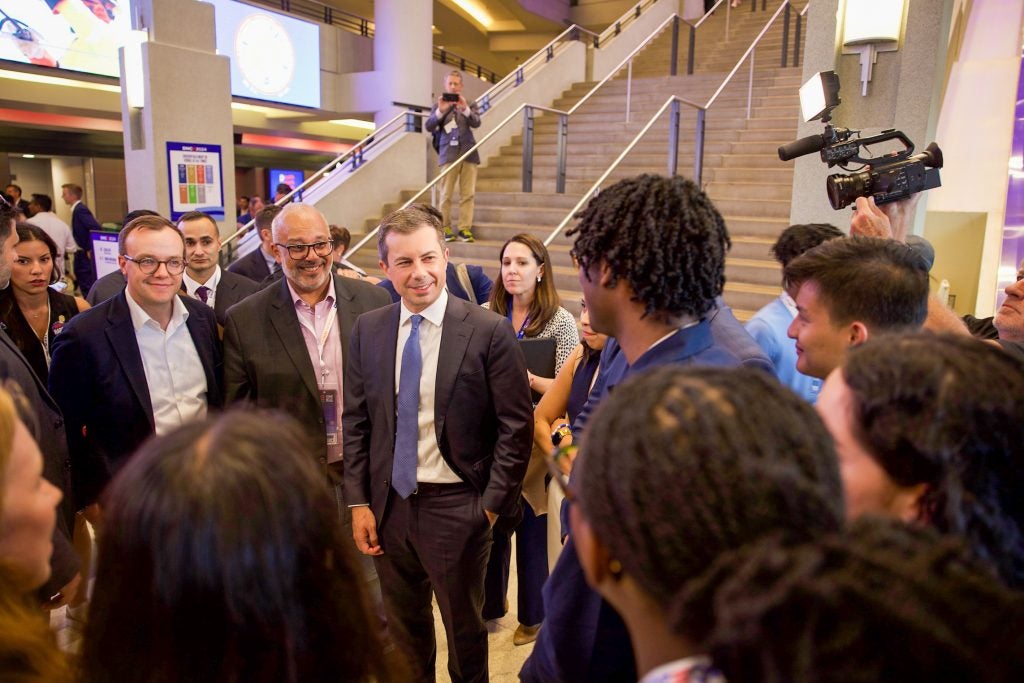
<point x="166" y="264"/>
<point x="310" y="246"/>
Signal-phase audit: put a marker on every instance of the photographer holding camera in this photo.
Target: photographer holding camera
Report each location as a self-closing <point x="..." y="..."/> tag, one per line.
<point x="452" y="122"/>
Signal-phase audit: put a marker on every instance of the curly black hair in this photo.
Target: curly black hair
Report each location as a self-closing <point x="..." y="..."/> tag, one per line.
<point x="884" y="601"/>
<point x="948" y="411"/>
<point x="796" y="239"/>
<point x="663" y="237"/>
<point x="679" y="464"/>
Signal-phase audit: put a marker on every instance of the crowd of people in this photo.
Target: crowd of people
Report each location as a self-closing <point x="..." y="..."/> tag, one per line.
<point x="286" y="461"/>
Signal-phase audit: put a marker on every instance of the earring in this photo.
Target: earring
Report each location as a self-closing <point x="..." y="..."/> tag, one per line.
<point x="615" y="569"/>
<point x="538" y="278"/>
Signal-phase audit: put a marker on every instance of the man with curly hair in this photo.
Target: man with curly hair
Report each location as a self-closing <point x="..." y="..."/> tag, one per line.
<point x="651" y="256"/>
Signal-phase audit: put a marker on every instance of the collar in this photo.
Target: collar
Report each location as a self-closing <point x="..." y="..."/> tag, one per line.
<point x="77" y="202"/>
<point x="296" y="299"/>
<point x="140" y="318"/>
<point x="191" y="285"/>
<point x="434" y="312"/>
<point x="788" y="302"/>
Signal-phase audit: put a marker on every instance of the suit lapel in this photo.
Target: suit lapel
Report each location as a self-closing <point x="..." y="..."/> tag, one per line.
<point x="121" y="335"/>
<point x="455" y="336"/>
<point x="286" y="324"/>
<point x="347" y="314"/>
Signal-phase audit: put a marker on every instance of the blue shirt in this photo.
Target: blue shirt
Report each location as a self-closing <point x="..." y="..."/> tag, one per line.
<point x="768" y="328"/>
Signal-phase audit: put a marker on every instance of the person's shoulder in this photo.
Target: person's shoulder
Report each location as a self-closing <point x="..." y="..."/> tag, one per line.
<point x="363" y="292"/>
<point x="239" y="281"/>
<point x="259" y="300"/>
<point x="198" y="308"/>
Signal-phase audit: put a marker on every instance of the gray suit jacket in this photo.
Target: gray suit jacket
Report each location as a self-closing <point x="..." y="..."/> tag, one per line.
<point x="265" y="357"/>
<point x="483" y="417"/>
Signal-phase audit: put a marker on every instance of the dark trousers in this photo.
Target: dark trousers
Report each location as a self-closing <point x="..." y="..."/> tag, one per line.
<point x="85" y="274"/>
<point x="531" y="569"/>
<point x="438" y="539"/>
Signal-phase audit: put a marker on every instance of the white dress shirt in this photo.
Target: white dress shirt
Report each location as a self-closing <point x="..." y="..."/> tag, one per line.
<point x="174" y="372"/>
<point x="58" y="230"/>
<point x="430" y="467"/>
<point x="191" y="286"/>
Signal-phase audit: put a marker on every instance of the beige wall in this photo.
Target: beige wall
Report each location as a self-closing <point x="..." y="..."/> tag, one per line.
<point x="957" y="238"/>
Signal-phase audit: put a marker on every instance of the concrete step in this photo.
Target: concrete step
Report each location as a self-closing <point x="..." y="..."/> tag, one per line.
<point x="775" y="191"/>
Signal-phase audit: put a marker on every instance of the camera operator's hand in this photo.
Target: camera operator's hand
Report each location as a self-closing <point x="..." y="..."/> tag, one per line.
<point x="869" y="220"/>
<point x="442" y="105"/>
<point x="463" y="104"/>
<point x="901" y="215"/>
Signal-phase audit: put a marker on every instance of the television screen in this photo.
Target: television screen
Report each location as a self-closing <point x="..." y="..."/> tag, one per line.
<point x="274" y="57"/>
<point x="78" y="35"/>
<point x="291" y="178"/>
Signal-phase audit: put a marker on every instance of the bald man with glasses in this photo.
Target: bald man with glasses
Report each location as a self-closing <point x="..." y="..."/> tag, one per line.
<point x="142" y="362"/>
<point x="284" y="346"/>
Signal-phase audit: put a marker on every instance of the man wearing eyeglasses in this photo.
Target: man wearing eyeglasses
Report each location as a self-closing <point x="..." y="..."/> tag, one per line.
<point x="284" y="346"/>
<point x="142" y="362"/>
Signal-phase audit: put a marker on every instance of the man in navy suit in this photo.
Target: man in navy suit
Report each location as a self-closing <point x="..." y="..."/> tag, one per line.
<point x="204" y="279"/>
<point x="669" y="319"/>
<point x="140" y="363"/>
<point x="259" y="264"/>
<point x="437" y="435"/>
<point x="82" y="224"/>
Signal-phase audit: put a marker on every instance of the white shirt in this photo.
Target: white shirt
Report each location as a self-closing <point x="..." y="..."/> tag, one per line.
<point x="430" y="467"/>
<point x="174" y="372"/>
<point x="269" y="258"/>
<point x="58" y="230"/>
<point x="191" y="286"/>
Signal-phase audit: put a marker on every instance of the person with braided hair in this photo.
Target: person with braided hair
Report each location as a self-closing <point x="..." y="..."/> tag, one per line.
<point x="883" y="601"/>
<point x="738" y="475"/>
<point x="928" y="429"/>
<point x="651" y="255"/>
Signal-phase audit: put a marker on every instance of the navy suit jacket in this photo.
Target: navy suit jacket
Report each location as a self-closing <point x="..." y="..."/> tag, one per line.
<point x="97" y="378"/>
<point x="82" y="223"/>
<point x="252" y="266"/>
<point x="583" y="638"/>
<point x="477" y="277"/>
<point x="107" y="287"/>
<point x="483" y="417"/>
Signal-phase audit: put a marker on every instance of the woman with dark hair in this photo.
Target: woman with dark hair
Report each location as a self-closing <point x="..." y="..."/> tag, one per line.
<point x="882" y="602"/>
<point x="28" y="515"/>
<point x="34" y="312"/>
<point x="929" y="429"/>
<point x="525" y="293"/>
<point x="558" y="408"/>
<point x="222" y="559"/>
<point x="675" y="469"/>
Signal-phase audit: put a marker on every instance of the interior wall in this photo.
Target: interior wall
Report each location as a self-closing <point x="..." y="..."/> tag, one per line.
<point x="958" y="238"/>
<point x="111" y="202"/>
<point x="67" y="170"/>
<point x="32" y="176"/>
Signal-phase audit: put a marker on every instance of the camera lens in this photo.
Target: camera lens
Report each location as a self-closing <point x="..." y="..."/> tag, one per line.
<point x="843" y="190"/>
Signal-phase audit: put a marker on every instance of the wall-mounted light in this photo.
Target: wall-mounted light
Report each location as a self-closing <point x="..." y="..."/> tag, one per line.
<point x="870" y="27"/>
<point x="134" y="79"/>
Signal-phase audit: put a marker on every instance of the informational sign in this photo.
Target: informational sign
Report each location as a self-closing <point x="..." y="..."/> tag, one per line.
<point x="195" y="177"/>
<point x="104" y="252"/>
<point x="79" y="35"/>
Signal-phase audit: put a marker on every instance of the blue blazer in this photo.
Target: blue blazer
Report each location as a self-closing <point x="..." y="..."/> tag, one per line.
<point x="97" y="379"/>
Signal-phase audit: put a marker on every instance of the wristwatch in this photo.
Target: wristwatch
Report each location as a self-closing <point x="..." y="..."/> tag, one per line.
<point x="560" y="433"/>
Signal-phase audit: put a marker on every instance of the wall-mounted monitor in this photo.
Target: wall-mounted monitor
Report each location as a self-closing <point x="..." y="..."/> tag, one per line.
<point x="274" y="57"/>
<point x="65" y="34"/>
<point x="289" y="177"/>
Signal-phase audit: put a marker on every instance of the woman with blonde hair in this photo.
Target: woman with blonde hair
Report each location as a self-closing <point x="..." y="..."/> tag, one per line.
<point x="28" y="515"/>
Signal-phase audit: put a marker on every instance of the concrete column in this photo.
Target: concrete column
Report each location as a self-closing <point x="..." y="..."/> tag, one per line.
<point x="187" y="99"/>
<point x="904" y="93"/>
<point x="402" y="44"/>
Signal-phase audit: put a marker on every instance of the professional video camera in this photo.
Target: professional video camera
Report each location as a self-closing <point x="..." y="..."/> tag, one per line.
<point x="889" y="178"/>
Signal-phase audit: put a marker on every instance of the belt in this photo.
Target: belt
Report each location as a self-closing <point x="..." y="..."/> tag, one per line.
<point x="426" y="489"/>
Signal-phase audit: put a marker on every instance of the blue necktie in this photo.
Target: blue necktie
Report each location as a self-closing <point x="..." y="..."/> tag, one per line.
<point x="403" y="469"/>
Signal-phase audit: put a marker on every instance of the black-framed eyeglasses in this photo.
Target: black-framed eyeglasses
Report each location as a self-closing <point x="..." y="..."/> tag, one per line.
<point x="298" y="252"/>
<point x="149" y="265"/>
<point x="554" y="459"/>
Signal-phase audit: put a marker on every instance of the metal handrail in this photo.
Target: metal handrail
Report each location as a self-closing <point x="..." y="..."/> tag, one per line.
<point x="355" y="152"/>
<point x="318" y="11"/>
<point x="631" y="15"/>
<point x="589" y="194"/>
<point x="674" y="126"/>
<point x="444" y="56"/>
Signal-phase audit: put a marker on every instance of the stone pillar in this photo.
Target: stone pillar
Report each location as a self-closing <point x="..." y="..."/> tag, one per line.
<point x="402" y="63"/>
<point x="904" y="93"/>
<point x="187" y="99"/>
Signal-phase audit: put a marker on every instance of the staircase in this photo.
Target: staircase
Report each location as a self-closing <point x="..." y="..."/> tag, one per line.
<point x="742" y="173"/>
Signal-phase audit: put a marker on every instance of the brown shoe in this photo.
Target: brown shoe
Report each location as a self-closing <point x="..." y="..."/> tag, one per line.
<point x="525" y="634"/>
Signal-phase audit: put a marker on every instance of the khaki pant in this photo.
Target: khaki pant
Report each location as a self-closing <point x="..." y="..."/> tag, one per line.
<point x="466" y="177"/>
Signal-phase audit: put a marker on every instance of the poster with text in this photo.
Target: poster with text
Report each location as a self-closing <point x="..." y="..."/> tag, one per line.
<point x="195" y="177"/>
